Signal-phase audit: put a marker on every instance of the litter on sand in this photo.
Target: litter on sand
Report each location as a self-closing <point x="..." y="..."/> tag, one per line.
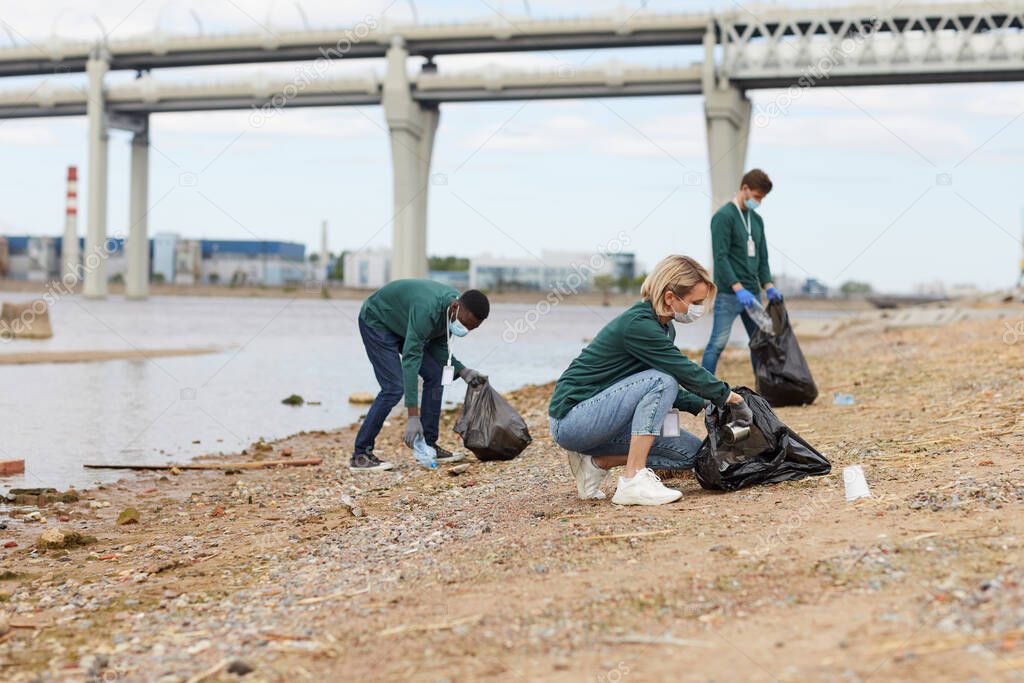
<point x="855" y="484"/>
<point x="770" y="453"/>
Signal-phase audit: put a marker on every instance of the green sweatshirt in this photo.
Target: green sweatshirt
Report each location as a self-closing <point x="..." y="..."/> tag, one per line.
<point x="414" y="310"/>
<point x="633" y="342"/>
<point x="729" y="246"/>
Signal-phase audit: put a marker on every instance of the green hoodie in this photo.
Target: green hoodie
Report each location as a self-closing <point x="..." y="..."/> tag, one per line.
<point x="416" y="311"/>
<point x="633" y="342"/>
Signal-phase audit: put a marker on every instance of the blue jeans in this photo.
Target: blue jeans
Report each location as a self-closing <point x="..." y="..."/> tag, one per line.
<point x="384" y="349"/>
<point x="727" y="307"/>
<point x="634" y="406"/>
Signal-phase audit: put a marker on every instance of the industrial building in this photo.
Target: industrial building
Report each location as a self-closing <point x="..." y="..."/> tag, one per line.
<point x="172" y="258"/>
<point x="371" y="268"/>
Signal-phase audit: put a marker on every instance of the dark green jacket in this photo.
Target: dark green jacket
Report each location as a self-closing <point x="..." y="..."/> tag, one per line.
<point x="416" y="311"/>
<point x="633" y="342"/>
<point x="729" y="246"/>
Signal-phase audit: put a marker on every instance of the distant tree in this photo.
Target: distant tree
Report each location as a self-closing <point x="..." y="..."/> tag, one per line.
<point x="625" y="284"/>
<point x="338" y="271"/>
<point x="314" y="258"/>
<point x="604" y="284"/>
<point x="158" y="278"/>
<point x="855" y="288"/>
<point x="214" y="278"/>
<point x="449" y="263"/>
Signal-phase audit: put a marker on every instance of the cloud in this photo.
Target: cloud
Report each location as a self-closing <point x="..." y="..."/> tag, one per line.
<point x="28" y="134"/>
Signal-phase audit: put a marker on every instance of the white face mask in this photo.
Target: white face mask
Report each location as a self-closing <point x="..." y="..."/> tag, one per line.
<point x="693" y="312"/>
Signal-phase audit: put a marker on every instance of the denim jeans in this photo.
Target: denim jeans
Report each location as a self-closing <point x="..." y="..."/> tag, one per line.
<point x="636" y="405"/>
<point x="384" y="348"/>
<point x="727" y="307"/>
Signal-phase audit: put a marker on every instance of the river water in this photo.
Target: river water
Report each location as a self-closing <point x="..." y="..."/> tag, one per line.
<point x="59" y="416"/>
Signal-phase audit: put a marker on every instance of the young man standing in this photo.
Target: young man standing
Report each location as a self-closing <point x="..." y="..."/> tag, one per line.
<point x="405" y="327"/>
<point x="741" y="263"/>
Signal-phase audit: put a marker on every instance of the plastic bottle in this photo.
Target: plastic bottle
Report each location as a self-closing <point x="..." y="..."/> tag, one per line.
<point x="760" y="317"/>
<point x="425" y="455"/>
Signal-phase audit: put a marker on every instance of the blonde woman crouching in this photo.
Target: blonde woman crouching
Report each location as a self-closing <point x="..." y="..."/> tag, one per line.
<point x="609" y="405"/>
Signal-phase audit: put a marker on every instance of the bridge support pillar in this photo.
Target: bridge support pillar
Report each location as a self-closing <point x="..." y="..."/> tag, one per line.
<point x="727" y="113"/>
<point x="94" y="262"/>
<point x="411" y="127"/>
<point x="137" y="277"/>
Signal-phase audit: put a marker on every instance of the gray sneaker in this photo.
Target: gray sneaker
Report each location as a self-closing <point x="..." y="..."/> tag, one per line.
<point x="368" y="462"/>
<point x="446" y="456"/>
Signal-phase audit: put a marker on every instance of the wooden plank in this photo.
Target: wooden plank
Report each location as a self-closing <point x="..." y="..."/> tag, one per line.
<point x="8" y="467"/>
<point x="254" y="465"/>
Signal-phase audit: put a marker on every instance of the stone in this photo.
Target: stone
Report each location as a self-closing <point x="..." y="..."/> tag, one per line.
<point x="128" y="516"/>
<point x="239" y="667"/>
<point x="456" y="470"/>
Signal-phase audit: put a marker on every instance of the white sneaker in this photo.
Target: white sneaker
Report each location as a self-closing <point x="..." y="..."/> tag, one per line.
<point x="588" y="476"/>
<point x="644" y="488"/>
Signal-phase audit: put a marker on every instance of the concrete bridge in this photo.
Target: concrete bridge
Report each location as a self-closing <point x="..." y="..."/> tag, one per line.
<point x="773" y="48"/>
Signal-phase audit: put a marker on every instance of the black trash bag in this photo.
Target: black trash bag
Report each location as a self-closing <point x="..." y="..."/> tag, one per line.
<point x="783" y="377"/>
<point x="772" y="453"/>
<point x="490" y="426"/>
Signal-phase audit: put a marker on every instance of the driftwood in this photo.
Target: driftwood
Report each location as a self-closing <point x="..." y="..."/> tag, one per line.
<point x="255" y="465"/>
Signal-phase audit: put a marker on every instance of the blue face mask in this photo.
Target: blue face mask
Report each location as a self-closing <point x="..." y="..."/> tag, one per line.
<point x="457" y="329"/>
<point x="751" y="204"/>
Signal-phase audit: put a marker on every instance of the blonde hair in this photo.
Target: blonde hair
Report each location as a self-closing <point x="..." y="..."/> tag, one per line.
<point x="677" y="273"/>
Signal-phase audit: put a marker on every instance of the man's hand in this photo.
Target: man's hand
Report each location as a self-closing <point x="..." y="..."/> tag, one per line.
<point x="472" y="377"/>
<point x="741" y="414"/>
<point x="413" y="428"/>
<point x="745" y="298"/>
<point x="773" y="294"/>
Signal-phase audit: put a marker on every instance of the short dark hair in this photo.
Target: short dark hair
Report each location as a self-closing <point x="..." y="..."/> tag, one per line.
<point x="756" y="179"/>
<point x="475" y="301"/>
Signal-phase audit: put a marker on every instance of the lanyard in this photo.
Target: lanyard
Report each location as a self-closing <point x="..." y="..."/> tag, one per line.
<point x="448" y="332"/>
<point x="744" y="218"/>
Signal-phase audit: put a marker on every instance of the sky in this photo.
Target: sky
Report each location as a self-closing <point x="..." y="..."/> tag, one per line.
<point x="896" y="186"/>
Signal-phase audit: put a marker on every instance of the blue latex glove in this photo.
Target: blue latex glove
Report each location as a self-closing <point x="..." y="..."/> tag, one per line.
<point x="773" y="294"/>
<point x="745" y="297"/>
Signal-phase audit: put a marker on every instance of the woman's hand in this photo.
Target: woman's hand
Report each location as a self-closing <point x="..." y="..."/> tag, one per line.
<point x="734" y="398"/>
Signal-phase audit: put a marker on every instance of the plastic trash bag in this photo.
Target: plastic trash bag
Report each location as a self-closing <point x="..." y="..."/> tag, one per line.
<point x="783" y="377"/>
<point x="772" y="453"/>
<point x="490" y="426"/>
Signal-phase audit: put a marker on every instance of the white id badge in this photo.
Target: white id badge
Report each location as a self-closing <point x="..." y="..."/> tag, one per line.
<point x="670" y="427"/>
<point x="447" y="375"/>
<point x="750" y="248"/>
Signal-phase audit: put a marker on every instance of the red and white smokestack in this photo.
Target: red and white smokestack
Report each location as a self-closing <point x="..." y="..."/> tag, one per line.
<point x="69" y="246"/>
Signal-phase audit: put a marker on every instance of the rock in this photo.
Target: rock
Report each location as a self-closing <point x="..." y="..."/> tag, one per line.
<point x="239" y="668"/>
<point x="128" y="516"/>
<point x="5" y="625"/>
<point x="456" y="470"/>
<point x="33" y="516"/>
<point x="217" y="511"/>
<point x="286" y="452"/>
<point x="56" y="538"/>
<point x="293" y="400"/>
<point x="10" y="544"/>
<point x="361" y="398"/>
<point x="51" y="538"/>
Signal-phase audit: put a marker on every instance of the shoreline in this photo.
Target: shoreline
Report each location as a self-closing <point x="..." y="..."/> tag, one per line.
<point x="32" y="357"/>
<point x="347" y="294"/>
<point x="274" y="569"/>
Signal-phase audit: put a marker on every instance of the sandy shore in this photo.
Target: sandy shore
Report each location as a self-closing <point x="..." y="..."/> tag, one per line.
<point x="501" y="574"/>
<point x="24" y="358"/>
